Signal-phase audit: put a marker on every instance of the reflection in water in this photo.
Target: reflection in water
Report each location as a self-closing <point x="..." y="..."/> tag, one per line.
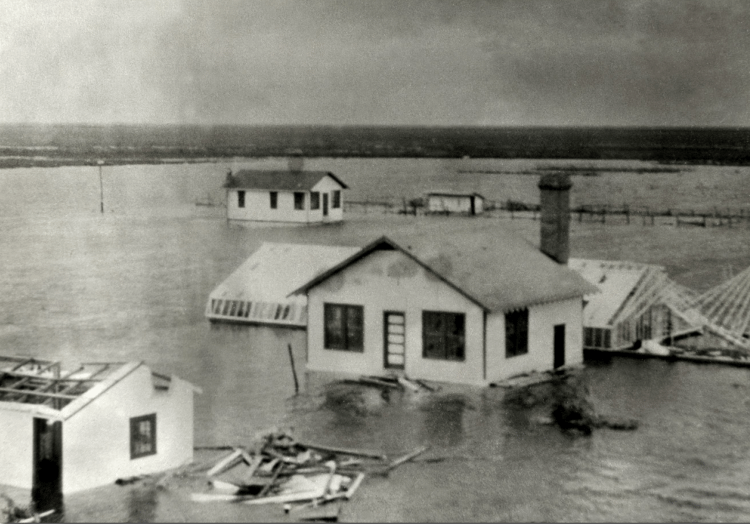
<point x="142" y="502"/>
<point x="443" y="420"/>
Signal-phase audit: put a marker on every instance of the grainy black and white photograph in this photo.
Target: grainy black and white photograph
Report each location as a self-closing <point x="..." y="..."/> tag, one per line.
<point x="374" y="261"/>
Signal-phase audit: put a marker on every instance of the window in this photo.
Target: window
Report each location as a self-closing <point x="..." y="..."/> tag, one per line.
<point x="516" y="333"/>
<point x="344" y="327"/>
<point x="143" y="436"/>
<point x="443" y="335"/>
<point x="299" y="201"/>
<point x="314" y="200"/>
<point x="336" y="200"/>
<point x="274" y="199"/>
<point x="240" y="199"/>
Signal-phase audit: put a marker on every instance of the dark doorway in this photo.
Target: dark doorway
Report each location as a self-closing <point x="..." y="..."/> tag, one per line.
<point x="46" y="492"/>
<point x="473" y="201"/>
<point x="559" y="346"/>
<point x="325" y="204"/>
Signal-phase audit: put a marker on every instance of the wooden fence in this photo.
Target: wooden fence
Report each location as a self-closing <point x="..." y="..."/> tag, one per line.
<point x="590" y="213"/>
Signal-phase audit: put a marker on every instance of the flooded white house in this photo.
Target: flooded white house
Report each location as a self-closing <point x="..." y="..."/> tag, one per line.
<point x="454" y="202"/>
<point x="443" y="308"/>
<point x="303" y="197"/>
<point x="69" y="431"/>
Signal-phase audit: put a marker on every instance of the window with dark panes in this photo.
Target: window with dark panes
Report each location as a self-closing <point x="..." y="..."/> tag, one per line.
<point x="344" y="326"/>
<point x="143" y="436"/>
<point x="299" y="201"/>
<point x="516" y="333"/>
<point x="240" y="199"/>
<point x="336" y="200"/>
<point x="443" y="335"/>
<point x="314" y="200"/>
<point x="274" y="199"/>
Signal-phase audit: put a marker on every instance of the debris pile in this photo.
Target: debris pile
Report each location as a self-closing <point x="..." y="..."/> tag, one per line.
<point x="309" y="480"/>
<point x="10" y="512"/>
<point x="393" y="382"/>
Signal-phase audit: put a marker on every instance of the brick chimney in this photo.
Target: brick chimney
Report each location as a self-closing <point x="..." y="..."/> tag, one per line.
<point x="555" y="215"/>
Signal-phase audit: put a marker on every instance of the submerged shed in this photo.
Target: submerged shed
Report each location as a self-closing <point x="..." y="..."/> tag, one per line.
<point x="68" y="430"/>
<point x="454" y="202"/>
<point x="257" y="291"/>
<point x="637" y="302"/>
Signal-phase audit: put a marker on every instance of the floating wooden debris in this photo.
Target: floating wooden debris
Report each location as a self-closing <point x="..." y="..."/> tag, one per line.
<point x="406" y="458"/>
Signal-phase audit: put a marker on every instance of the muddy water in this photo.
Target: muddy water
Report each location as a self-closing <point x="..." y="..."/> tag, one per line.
<point x="79" y="286"/>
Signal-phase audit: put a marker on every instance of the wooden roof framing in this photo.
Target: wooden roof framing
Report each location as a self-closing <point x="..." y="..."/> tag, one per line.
<point x="34" y="381"/>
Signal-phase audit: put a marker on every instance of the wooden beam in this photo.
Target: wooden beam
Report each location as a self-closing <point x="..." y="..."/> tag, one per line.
<point x="37" y="393"/>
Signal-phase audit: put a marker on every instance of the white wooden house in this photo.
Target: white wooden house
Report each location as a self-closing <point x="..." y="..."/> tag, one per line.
<point x="637" y="302"/>
<point x="454" y="202"/>
<point x="69" y="431"/>
<point x="304" y="197"/>
<point x="444" y="308"/>
<point x="257" y="292"/>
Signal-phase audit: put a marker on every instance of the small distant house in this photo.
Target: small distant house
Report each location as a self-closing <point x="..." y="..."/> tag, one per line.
<point x="304" y="197"/>
<point x="66" y="431"/>
<point x="445" y="309"/>
<point x="450" y="202"/>
<point x="257" y="292"/>
<point x="637" y="302"/>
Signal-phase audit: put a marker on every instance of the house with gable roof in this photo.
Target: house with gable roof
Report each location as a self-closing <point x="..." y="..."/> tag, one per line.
<point x="294" y="196"/>
<point x="441" y="307"/>
<point x="67" y="431"/>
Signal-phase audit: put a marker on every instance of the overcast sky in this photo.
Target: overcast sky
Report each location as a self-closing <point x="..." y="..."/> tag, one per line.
<point x="462" y="62"/>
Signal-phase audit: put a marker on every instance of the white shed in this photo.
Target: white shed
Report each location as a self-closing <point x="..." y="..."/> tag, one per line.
<point x="64" y="432"/>
<point x="440" y="307"/>
<point x="304" y="197"/>
<point x="450" y="202"/>
<point x="257" y="291"/>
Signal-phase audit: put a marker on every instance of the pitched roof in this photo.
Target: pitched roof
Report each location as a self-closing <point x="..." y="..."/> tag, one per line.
<point x="279" y="180"/>
<point x="618" y="282"/>
<point x="507" y="274"/>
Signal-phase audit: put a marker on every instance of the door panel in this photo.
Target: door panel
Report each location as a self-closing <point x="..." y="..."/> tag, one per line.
<point x="559" y="345"/>
<point x="325" y="204"/>
<point x="394" y="341"/>
<point x="46" y="491"/>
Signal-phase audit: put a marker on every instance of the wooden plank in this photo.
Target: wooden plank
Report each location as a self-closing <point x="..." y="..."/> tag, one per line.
<point x="344" y="451"/>
<point x="225" y="463"/>
<point x="406" y="458"/>
<point x="253" y="468"/>
<point x="38" y="393"/>
<point x="353" y="488"/>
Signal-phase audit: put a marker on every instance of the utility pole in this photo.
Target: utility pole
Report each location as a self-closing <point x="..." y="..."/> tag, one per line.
<point x="101" y="186"/>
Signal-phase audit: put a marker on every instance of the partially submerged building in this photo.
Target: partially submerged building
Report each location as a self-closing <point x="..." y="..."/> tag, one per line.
<point x="450" y="202"/>
<point x="68" y="431"/>
<point x="257" y="292"/>
<point x="637" y="302"/>
<point x="303" y="197"/>
<point x="443" y="308"/>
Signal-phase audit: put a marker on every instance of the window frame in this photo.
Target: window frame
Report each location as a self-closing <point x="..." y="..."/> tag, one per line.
<point x="299" y="200"/>
<point x="336" y="199"/>
<point x="314" y="200"/>
<point x="447" y="342"/>
<point x="136" y="436"/>
<point x="348" y="334"/>
<point x="274" y="199"/>
<point x="517" y="341"/>
<point x="240" y="199"/>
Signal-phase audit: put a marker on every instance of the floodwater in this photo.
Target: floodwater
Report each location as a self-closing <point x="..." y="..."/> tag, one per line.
<point x="132" y="284"/>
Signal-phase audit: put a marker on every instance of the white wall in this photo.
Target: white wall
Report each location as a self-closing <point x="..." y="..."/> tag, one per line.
<point x="540" y="357"/>
<point x="96" y="440"/>
<point x="388" y="281"/>
<point x="16" y="448"/>
<point x="258" y="205"/>
<point x="453" y="204"/>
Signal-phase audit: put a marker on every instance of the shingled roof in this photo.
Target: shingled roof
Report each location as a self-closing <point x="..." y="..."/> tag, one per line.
<point x="278" y="180"/>
<point x="507" y="274"/>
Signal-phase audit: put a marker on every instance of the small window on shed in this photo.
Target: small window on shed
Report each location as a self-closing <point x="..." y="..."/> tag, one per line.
<point x="240" y="199"/>
<point x="336" y="199"/>
<point x="143" y="436"/>
<point x="314" y="200"/>
<point x="274" y="199"/>
<point x="299" y="201"/>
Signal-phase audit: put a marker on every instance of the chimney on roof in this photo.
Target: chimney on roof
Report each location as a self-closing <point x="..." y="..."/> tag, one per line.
<point x="555" y="215"/>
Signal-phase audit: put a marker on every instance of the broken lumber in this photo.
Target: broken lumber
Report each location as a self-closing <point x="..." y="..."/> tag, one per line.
<point x="408" y="384"/>
<point x="406" y="458"/>
<point x="354" y="485"/>
<point x="254" y="464"/>
<point x="425" y="385"/>
<point x="344" y="451"/>
<point x="225" y="463"/>
<point x="379" y="382"/>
